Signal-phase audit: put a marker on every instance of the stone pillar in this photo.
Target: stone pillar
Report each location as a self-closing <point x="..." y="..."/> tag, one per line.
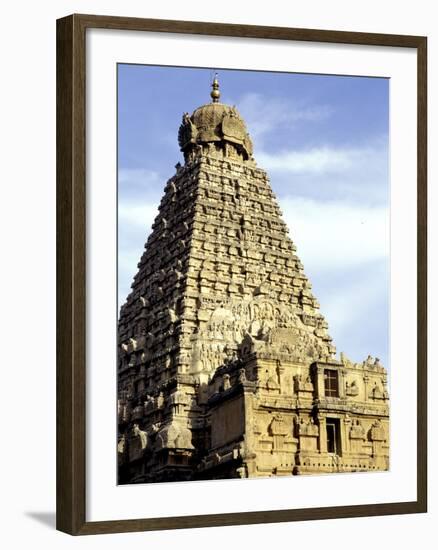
<point x="344" y="424"/>
<point x="322" y="434"/>
<point x="319" y="381"/>
<point x="281" y="381"/>
<point x="341" y="383"/>
<point x="365" y="383"/>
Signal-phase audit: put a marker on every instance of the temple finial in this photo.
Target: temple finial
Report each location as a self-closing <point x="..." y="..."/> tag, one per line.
<point x="215" y="93"/>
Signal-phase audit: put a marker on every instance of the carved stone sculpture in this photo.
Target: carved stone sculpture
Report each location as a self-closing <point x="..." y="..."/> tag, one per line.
<point x="142" y="435"/>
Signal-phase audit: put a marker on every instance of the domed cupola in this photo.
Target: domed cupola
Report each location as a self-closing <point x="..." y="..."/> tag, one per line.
<point x="215" y="127"/>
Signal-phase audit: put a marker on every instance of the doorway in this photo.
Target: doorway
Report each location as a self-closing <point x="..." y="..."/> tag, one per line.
<point x="333" y="436"/>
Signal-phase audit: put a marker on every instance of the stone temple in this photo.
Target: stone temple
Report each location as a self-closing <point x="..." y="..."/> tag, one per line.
<point x="225" y="365"/>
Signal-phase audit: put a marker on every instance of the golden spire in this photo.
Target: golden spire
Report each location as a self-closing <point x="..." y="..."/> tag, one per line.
<point x="215" y="93"/>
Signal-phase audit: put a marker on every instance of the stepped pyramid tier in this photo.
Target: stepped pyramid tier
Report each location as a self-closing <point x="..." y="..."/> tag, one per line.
<point x="225" y="364"/>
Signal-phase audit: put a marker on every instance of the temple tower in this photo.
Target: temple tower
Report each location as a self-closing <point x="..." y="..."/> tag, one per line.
<point x="226" y="367"/>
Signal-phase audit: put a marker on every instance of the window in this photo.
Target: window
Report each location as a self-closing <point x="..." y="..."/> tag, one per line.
<point x="331" y="386"/>
<point x="333" y="436"/>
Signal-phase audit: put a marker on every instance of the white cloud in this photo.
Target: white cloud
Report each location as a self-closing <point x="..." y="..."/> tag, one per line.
<point x="344" y="247"/>
<point x="357" y="299"/>
<point x="128" y="259"/>
<point x="318" y="160"/>
<point x="345" y="304"/>
<point x="135" y="223"/>
<point x="137" y="210"/>
<point x="334" y="235"/>
<point x="133" y="177"/>
<point x="136" y="214"/>
<point x="264" y="115"/>
<point x="345" y="251"/>
<point x="324" y="160"/>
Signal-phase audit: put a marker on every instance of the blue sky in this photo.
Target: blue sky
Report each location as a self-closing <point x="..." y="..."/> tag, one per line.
<point x="323" y="141"/>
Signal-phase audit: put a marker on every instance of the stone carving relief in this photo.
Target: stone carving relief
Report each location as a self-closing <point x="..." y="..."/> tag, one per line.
<point x="351" y="388"/>
<point x="215" y="122"/>
<point x="242" y="376"/>
<point x="303" y="383"/>
<point x="272" y="384"/>
<point x="278" y="426"/>
<point x="142" y="435"/>
<point x="280" y="430"/>
<point x="121" y="444"/>
<point x="266" y="322"/>
<point x="357" y="430"/>
<point x="187" y="131"/>
<point x="371" y="362"/>
<point x="226" y="384"/>
<point x="377" y="432"/>
<point x="178" y="401"/>
<point x="346" y="361"/>
<point x="174" y="436"/>
<point x="306" y="427"/>
<point x="377" y="393"/>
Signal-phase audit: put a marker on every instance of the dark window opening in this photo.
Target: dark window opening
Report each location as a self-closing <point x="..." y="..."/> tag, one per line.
<point x="331" y="386"/>
<point x="333" y="436"/>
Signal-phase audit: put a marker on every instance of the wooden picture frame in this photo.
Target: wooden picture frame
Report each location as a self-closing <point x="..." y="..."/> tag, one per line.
<point x="71" y="273"/>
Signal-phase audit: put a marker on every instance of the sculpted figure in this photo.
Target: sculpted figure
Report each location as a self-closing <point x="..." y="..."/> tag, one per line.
<point x="121" y="445"/>
<point x="351" y="388"/>
<point x="141" y="434"/>
<point x="242" y="376"/>
<point x="357" y="431"/>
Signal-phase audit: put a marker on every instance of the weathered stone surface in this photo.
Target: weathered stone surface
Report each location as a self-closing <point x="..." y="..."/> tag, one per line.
<point x="226" y="368"/>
